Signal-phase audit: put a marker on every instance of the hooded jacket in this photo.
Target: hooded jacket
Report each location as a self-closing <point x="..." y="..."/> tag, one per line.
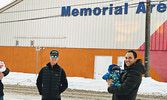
<point x="6" y="72"/>
<point x="130" y="82"/>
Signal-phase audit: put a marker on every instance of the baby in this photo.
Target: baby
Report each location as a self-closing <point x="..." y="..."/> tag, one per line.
<point x="114" y="73"/>
<point x="2" y="66"/>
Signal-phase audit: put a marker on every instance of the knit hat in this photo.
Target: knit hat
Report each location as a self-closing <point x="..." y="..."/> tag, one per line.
<point x="2" y="68"/>
<point x="2" y="63"/>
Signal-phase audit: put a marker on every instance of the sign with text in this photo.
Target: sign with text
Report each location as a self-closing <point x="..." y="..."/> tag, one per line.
<point x="111" y="10"/>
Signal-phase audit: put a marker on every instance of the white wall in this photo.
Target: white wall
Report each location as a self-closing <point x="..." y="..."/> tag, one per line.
<point x="103" y="31"/>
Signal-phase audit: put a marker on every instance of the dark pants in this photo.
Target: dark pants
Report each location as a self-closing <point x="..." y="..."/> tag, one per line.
<point x="51" y="99"/>
<point x="1" y="98"/>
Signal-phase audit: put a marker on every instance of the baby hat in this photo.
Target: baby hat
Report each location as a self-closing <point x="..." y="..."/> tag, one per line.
<point x="3" y="66"/>
<point x="2" y="63"/>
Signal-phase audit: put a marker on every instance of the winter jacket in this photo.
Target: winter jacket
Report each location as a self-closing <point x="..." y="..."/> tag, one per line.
<point x="6" y="72"/>
<point x="113" y="75"/>
<point x="130" y="82"/>
<point x="51" y="82"/>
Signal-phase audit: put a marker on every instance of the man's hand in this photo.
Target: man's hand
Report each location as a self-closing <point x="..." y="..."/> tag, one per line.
<point x="1" y="75"/>
<point x="109" y="82"/>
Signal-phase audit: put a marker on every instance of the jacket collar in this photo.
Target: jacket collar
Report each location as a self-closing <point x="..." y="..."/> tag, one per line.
<point x="54" y="66"/>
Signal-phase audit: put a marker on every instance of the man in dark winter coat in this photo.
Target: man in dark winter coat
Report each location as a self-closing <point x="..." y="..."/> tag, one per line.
<point x="52" y="81"/>
<point x="2" y="74"/>
<point x="130" y="79"/>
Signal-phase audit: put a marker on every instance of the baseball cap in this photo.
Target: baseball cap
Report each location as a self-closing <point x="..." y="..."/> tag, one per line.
<point x="54" y="53"/>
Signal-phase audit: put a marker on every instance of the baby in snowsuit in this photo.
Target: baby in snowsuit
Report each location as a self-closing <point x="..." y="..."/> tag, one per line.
<point x="114" y="73"/>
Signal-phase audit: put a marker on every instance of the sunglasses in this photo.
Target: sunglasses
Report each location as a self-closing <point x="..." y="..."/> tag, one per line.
<point x="54" y="56"/>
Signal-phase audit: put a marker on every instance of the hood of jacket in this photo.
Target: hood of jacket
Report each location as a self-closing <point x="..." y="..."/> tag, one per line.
<point x="111" y="66"/>
<point x="136" y="66"/>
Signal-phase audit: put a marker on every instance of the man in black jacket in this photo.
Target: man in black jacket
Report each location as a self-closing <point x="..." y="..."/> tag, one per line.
<point x="2" y="74"/>
<point x="52" y="81"/>
<point x="130" y="79"/>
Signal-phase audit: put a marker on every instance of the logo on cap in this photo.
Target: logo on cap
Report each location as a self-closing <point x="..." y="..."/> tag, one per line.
<point x="54" y="53"/>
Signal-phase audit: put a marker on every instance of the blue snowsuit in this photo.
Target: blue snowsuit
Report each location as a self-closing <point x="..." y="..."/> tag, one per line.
<point x="113" y="75"/>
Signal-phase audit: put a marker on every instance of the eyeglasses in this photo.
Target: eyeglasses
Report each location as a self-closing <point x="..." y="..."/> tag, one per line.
<point x="54" y="56"/>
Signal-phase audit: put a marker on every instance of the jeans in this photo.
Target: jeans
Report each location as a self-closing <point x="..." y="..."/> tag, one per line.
<point x="1" y="98"/>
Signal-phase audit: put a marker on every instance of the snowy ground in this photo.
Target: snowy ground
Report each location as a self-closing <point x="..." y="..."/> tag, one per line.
<point x="147" y="87"/>
<point x="11" y="96"/>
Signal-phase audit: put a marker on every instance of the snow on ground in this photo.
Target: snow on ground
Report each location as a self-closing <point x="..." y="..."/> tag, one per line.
<point x="147" y="87"/>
